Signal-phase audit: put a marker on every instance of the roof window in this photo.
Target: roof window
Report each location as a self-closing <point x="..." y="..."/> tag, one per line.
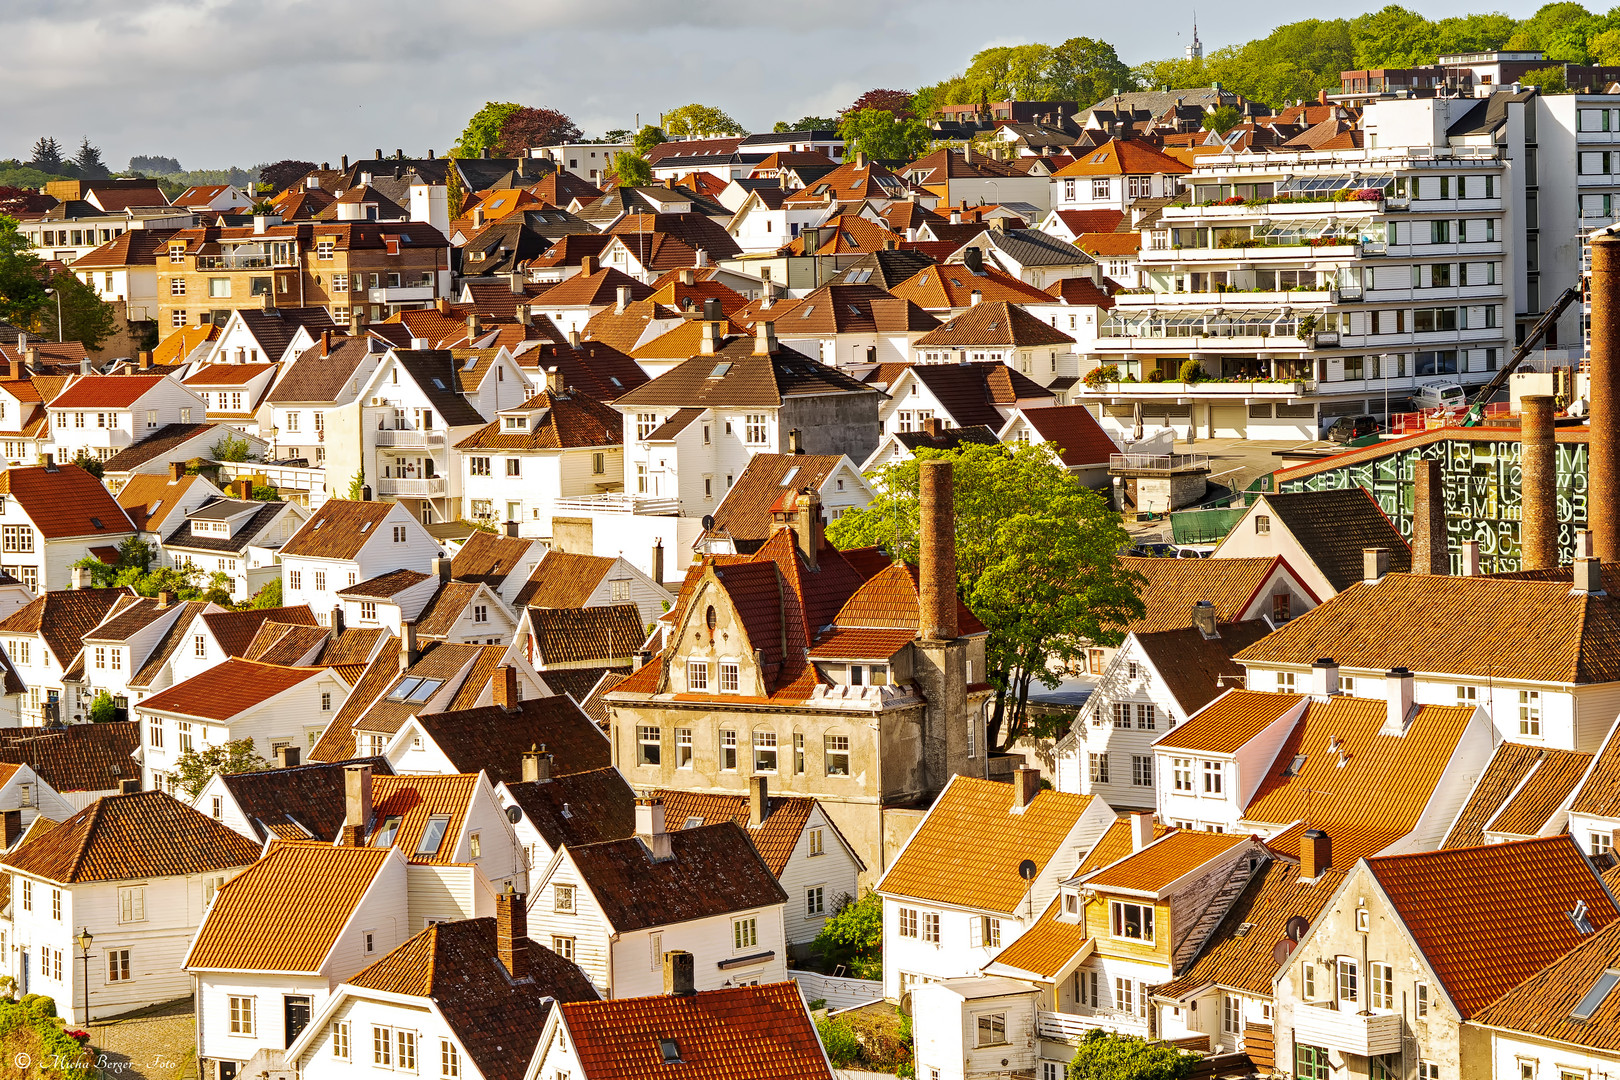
<point x="791" y="473"/>
<point x="433" y="835"/>
<point x="720" y="369"/>
<point x="384" y="837"/>
<point x="402" y="689"/>
<point x="1594" y="997"/>
<point x="669" y="1050"/>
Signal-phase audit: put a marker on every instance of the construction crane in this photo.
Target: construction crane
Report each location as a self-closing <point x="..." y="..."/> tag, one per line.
<point x="1476" y="411"/>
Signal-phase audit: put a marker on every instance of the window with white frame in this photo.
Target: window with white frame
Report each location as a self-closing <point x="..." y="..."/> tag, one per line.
<point x="697" y="674"/>
<point x="1530" y="712"/>
<point x="990" y="1029"/>
<point x="930" y="927"/>
<point x="728" y="676"/>
<point x="1381" y="985"/>
<point x="1231" y="1014"/>
<point x="241" y="1014"/>
<point x="683" y="748"/>
<point x="1349" y="980"/>
<point x="1214" y="777"/>
<point x="1181" y="771"/>
<point x="1132" y="922"/>
<point x="1141" y="770"/>
<point x="117" y="965"/>
<point x="340" y="1040"/>
<point x="837" y="755"/>
<point x="562" y="899"/>
<point x="815" y="901"/>
<point x="132" y="904"/>
<point x="728" y="751"/>
<point x="449" y="1060"/>
<point x="906" y="925"/>
<point x="649" y="745"/>
<point x="765" y="751"/>
<point x="563" y="947"/>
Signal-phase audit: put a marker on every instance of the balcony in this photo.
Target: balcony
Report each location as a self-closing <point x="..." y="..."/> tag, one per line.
<point x="410" y="439"/>
<point x="1155" y="464"/>
<point x="401" y="294"/>
<point x="618" y="502"/>
<point x="1072" y="1027"/>
<point x="257" y="261"/>
<point x="431" y="487"/>
<point x="1362" y="1034"/>
<point x="1266" y="389"/>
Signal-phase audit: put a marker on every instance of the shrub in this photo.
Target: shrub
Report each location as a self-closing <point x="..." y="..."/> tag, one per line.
<point x="839" y="1040"/>
<point x="1192" y="372"/>
<point x="1107" y="373"/>
<point x="1155" y="376"/>
<point x="103" y="710"/>
<point x="853" y="937"/>
<point x="39" y="1005"/>
<point x="1106" y="1056"/>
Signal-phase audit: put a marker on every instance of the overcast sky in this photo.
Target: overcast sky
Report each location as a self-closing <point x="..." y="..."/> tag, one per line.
<point x="216" y="83"/>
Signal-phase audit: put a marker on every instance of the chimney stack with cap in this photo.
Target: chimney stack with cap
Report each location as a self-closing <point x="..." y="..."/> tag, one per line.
<point x="1141" y="829"/>
<point x="1588" y="579"/>
<point x="1315" y="854"/>
<point x="1400" y="701"/>
<point x="759" y="801"/>
<point x="1538" y="490"/>
<point x="356" y="804"/>
<point x="512" y="933"/>
<point x="1026" y="785"/>
<point x="1430" y="552"/>
<point x="936" y="562"/>
<point x="1374" y="564"/>
<point x="1325" y="677"/>
<point x="475" y="327"/>
<point x="536" y="765"/>
<point x="650" y="828"/>
<point x="1603" y="449"/>
<point x="765" y="338"/>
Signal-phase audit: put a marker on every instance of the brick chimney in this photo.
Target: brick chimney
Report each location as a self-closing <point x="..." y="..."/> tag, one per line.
<point x="1026" y="785"/>
<point x="13" y="828"/>
<point x="506" y="688"/>
<point x="244" y="489"/>
<point x="807" y="525"/>
<point x="1315" y="854"/>
<point x="679" y="978"/>
<point x="1603" y="449"/>
<point x="177" y="470"/>
<point x="1538" y="485"/>
<point x="936" y="569"/>
<point x="356" y="803"/>
<point x="587" y="266"/>
<point x="512" y="933"/>
<point x="934" y="427"/>
<point x="1431" y="553"/>
<point x="759" y="801"/>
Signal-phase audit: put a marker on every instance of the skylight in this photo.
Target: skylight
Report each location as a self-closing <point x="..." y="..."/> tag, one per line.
<point x="402" y="690"/>
<point x="364" y="525"/>
<point x="438" y="383"/>
<point x="669" y="1050"/>
<point x="433" y="835"/>
<point x="425" y="690"/>
<point x="1594" y="997"/>
<point x="384" y="837"/>
<point x="791" y="473"/>
<point x="720" y="369"/>
<point x="808" y="308"/>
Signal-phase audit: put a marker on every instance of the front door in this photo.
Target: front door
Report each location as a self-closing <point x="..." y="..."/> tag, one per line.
<point x="297" y="1015"/>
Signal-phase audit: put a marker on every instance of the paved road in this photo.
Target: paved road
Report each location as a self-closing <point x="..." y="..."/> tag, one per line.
<point x="157" y="1043"/>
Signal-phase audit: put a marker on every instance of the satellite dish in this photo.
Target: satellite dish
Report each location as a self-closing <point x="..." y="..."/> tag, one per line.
<point x="905" y="1003"/>
<point x="1297" y="927"/>
<point x="708" y="522"/>
<point x="514" y="814"/>
<point x="1282" y="949"/>
<point x="1027" y="870"/>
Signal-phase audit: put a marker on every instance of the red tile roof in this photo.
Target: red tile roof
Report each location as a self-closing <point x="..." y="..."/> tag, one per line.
<point x="227" y="690"/>
<point x="1078" y="436"/>
<point x="65" y="501"/>
<point x="106" y="391"/>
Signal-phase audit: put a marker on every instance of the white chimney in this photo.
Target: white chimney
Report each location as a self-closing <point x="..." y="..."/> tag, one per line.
<point x="1470" y="558"/>
<point x="1325" y="677"/>
<point x="1374" y="564"/>
<point x="1401" y="706"/>
<point x="1588" y="578"/>
<point x="1141" y="829"/>
<point x="650" y="828"/>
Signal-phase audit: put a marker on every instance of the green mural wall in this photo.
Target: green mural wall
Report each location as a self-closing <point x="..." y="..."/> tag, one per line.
<point x="1482" y="494"/>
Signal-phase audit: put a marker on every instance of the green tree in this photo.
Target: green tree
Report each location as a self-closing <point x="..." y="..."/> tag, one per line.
<point x="838" y="1038"/>
<point x="269" y="596"/>
<point x="617" y="135"/>
<point x="880" y="134"/>
<point x="853" y="937"/>
<point x="808" y="123"/>
<point x="484" y="129"/>
<point x="86" y="317"/>
<point x="647" y="138"/>
<point x="1104" y="1055"/>
<point x="1086" y="70"/>
<point x="1604" y="48"/>
<point x="103" y="710"/>
<point x="1036" y="557"/>
<point x="89" y="464"/>
<point x="631" y="170"/>
<point x="1550" y="80"/>
<point x="357" y="486"/>
<point x="1223" y="119"/>
<point x="88" y="162"/>
<point x="193" y="768"/>
<point x="701" y="120"/>
<point x="47" y="155"/>
<point x="230" y="447"/>
<point x="22" y="277"/>
<point x="455" y="195"/>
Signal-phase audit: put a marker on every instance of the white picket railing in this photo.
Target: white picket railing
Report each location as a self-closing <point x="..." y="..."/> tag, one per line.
<point x="839" y="993"/>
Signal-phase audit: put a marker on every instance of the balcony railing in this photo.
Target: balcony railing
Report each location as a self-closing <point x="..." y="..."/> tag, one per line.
<point x="1157" y="462"/>
<point x="401" y="294"/>
<point x="1349" y="1032"/>
<point x="1072" y="1027"/>
<point x="239" y="262"/>
<point x="431" y="487"/>
<point x="409" y="438"/>
<point x="618" y="503"/>
<point x="1239" y="388"/>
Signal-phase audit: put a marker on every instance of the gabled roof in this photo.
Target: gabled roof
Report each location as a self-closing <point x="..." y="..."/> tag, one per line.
<point x="235" y="630"/>
<point x="739" y="1033"/>
<point x="494" y="740"/>
<point x="1518" y="793"/>
<point x="745" y="512"/>
<point x="1452" y="904"/>
<point x="839" y="308"/>
<point x="1123" y="157"/>
<point x="1544" y="1004"/>
<point x="994" y="323"/>
<point x="275" y="329"/>
<point x="953" y="286"/>
<point x="456" y="966"/>
<point x="586" y="634"/>
<point x="713" y="871"/>
<point x="415" y="800"/>
<point x="149" y="500"/>
<point x="1160" y="864"/>
<point x="1173" y="586"/>
<point x="437" y="374"/>
<point x="1189" y="663"/>
<point x="62" y="618"/>
<point x="148" y="834"/>
<point x="885" y="269"/>
<point x="337" y="530"/>
<point x="317" y="378"/>
<point x="776" y="837"/>
<point x="227" y="690"/>
<point x="564" y="421"/>
<point x="937" y="866"/>
<point x="1075" y="432"/>
<point x="64" y="501"/>
<point x="970" y="392"/>
<point x="306" y="800"/>
<point x="735" y="377"/>
<point x="594" y="290"/>
<point x="78" y="757"/>
<point x="1334" y="527"/>
<point x="315" y="886"/>
<point x="578" y="808"/>
<point x="489" y="557"/>
<point x="160" y="443"/>
<point x="564" y="579"/>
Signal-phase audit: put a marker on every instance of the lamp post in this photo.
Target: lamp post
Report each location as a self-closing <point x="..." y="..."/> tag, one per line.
<point x="56" y="293"/>
<point x="85" y="939"/>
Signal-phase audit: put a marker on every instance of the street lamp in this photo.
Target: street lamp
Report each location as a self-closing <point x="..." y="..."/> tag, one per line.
<point x="84" y="939"/>
<point x="58" y="295"/>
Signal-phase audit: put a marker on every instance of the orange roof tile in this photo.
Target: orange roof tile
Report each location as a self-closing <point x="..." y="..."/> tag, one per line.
<point x="147" y="834"/>
<point x="415" y="799"/>
<point x="936" y="866"/>
<point x="226" y="690"/>
<point x="1123" y="157"/>
<point x="776" y="836"/>
<point x="1230" y="721"/>
<point x="1544" y="1003"/>
<point x="1173" y="586"/>
<point x="1047" y="947"/>
<point x="1173" y="855"/>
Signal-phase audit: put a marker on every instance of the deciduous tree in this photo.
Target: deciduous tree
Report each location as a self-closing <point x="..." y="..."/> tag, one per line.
<point x="534" y="127"/>
<point x="878" y="133"/>
<point x="283" y="174"/>
<point x="699" y="120"/>
<point x="895" y="101"/>
<point x="22" y="277"/>
<point x="193" y="768"/>
<point x="86" y="316"/>
<point x="484" y="129"/>
<point x="631" y="170"/>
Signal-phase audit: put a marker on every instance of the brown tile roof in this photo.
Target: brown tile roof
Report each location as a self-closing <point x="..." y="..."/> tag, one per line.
<point x="888" y="600"/>
<point x="1334" y="527"/>
<point x="1114" y="845"/>
<point x="994" y="323"/>
<point x="457" y="966"/>
<point x="595" y="290"/>
<point x="745" y="512"/>
<point x="578" y="808"/>
<point x="564" y="580"/>
<point x="775" y="838"/>
<point x="578" y="682"/>
<point x="1239" y="955"/>
<point x="316" y="378"/>
<point x="1190" y="664"/>
<point x="1075" y="432"/>
<point x="305" y="801"/>
<point x="385" y="586"/>
<point x="597" y="368"/>
<point x="714" y="871"/>
<point x="65" y="501"/>
<point x="316" y="885"/>
<point x="953" y="286"/>
<point x="581" y="635"/>
<point x="1599" y="794"/>
<point x="149" y="500"/>
<point x="1508" y="767"/>
<point x="841" y="308"/>
<point x="128" y="617"/>
<point x="1081" y="291"/>
<point x="489" y="557"/>
<point x="337" y="530"/>
<point x="1103" y="245"/>
<point x="1544" y="1003"/>
<point x="1545" y="791"/>
<point x="684" y="340"/>
<point x="622" y="330"/>
<point x="1451" y="903"/>
<point x="281" y="643"/>
<point x="1123" y="157"/>
<point x="492" y="739"/>
<point x="165" y="442"/>
<point x="749" y="380"/>
<point x="846" y="234"/>
<point x="1090" y="221"/>
<point x="936" y="866"/>
<point x="1496" y="629"/>
<point x="970" y="392"/>
<point x="595" y="706"/>
<point x="337" y="741"/>
<point x="445" y="607"/>
<point x="1173" y="586"/>
<point x="79" y="757"/>
<point x="63" y="617"/>
<point x="670" y="291"/>
<point x="121" y="837"/>
<point x="694" y="230"/>
<point x="1159" y="864"/>
<point x="235" y="630"/>
<point x="568" y="420"/>
<point x="740" y="1033"/>
<point x="226" y="690"/>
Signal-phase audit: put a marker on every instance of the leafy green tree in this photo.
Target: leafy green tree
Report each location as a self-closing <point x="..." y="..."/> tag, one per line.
<point x="357" y="486"/>
<point x="631" y="170"/>
<point x="103" y="710"/>
<point x="484" y="129"/>
<point x="455" y="195"/>
<point x="22" y="277"/>
<point x="230" y="447"/>
<point x="88" y="162"/>
<point x="155" y="164"/>
<point x="808" y="123"/>
<point x="1550" y="80"/>
<point x="1604" y="48"/>
<point x="853" y="937"/>
<point x="193" y="768"/>
<point x="880" y="134"/>
<point x="695" y="120"/>
<point x="86" y="317"/>
<point x="269" y="596"/>
<point x="1104" y="1055"/>
<point x="47" y="155"/>
<point x="838" y="1038"/>
<point x="647" y="138"/>
<point x="89" y="464"/>
<point x="1036" y="558"/>
<point x="1086" y="70"/>
<point x="617" y="135"/>
<point x="1223" y="119"/>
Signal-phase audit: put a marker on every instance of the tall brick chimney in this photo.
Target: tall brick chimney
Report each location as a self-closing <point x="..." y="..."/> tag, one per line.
<point x="1315" y="854"/>
<point x="1538" y="491"/>
<point x="1430" y="552"/>
<point x="936" y="562"/>
<point x="1603" y="450"/>
<point x="356" y="803"/>
<point x="512" y="933"/>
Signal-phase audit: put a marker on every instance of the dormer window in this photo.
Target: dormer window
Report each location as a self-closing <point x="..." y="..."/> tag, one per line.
<point x="1071" y="904"/>
<point x="517" y="423"/>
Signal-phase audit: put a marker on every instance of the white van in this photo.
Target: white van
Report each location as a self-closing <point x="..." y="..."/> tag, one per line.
<point x="1440" y="396"/>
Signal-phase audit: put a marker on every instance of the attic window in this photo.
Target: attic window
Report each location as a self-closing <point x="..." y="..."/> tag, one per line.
<point x="97" y="523"/>
<point x="472" y="362"/>
<point x="1578" y="917"/>
<point x="694" y="822"/>
<point x="426" y="690"/>
<point x="433" y="835"/>
<point x="365" y="525"/>
<point x="720" y="369"/>
<point x="1242" y="931"/>
<point x="808" y="308"/>
<point x="853" y="310"/>
<point x="402" y="691"/>
<point x="791" y="473"/>
<point x="1295" y="766"/>
<point x="1097" y="159"/>
<point x="384" y="837"/>
<point x="669" y="1050"/>
<point x="1594" y="997"/>
<point x="994" y="325"/>
<point x="438" y="384"/>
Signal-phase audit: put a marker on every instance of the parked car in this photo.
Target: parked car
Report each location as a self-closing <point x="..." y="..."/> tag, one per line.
<point x="1347" y="428"/>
